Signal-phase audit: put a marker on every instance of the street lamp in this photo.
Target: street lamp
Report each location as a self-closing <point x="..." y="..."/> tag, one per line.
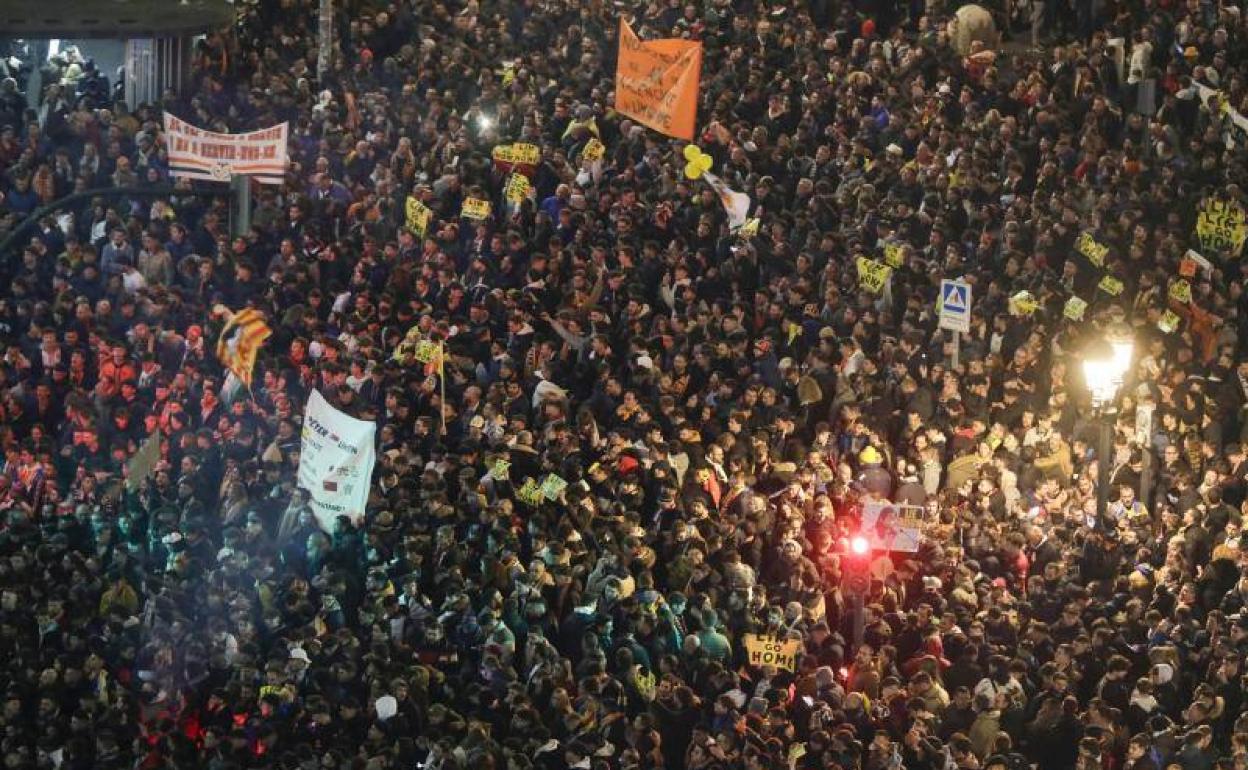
<point x="1105" y="363"/>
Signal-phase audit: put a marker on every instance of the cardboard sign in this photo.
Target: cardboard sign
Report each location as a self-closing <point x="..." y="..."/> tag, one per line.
<point x="1199" y="259"/>
<point x="872" y="275"/>
<point x="1222" y="227"/>
<point x="1074" y="309"/>
<point x="1187" y="268"/>
<point x="1110" y="285"/>
<point x="750" y="228"/>
<point x="498" y="471"/>
<point x="1088" y="247"/>
<point x="656" y="82"/>
<point x="143" y="464"/>
<point x="770" y="651"/>
<point x="475" y="208"/>
<point x="1181" y="291"/>
<point x="418" y="215"/>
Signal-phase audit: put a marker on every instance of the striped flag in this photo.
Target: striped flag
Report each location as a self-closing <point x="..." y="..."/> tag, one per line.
<point x="198" y="154"/>
<point x="737" y="204"/>
<point x="240" y="342"/>
<point x="437" y="362"/>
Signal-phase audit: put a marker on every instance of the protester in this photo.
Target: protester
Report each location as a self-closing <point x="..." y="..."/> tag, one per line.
<point x="721" y="405"/>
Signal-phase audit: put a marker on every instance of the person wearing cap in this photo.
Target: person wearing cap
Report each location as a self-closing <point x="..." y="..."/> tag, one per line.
<point x="873" y="476"/>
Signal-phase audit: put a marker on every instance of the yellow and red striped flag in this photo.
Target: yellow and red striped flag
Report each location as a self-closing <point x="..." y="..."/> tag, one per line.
<point x="437" y="361"/>
<point x="238" y="350"/>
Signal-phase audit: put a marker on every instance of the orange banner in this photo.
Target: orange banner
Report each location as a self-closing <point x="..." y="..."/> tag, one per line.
<point x="656" y="82"/>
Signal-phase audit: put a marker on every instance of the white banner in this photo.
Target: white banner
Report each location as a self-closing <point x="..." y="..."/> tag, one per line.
<point x="198" y="154"/>
<point x="335" y="461"/>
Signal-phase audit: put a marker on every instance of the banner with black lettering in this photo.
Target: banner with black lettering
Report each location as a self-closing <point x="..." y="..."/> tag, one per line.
<point x="772" y="651"/>
<point x="335" y="462"/>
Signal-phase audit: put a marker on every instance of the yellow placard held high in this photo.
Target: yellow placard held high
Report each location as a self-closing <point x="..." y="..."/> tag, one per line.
<point x="772" y="651"/>
<point x="1088" y="247"/>
<point x="418" y="215"/>
<point x="1110" y="285"/>
<point x="517" y="189"/>
<point x="1181" y="291"/>
<point x="475" y="208"/>
<point x="894" y="254"/>
<point x="872" y="275"/>
<point x="594" y="150"/>
<point x="520" y="154"/>
<point x="1222" y="227"/>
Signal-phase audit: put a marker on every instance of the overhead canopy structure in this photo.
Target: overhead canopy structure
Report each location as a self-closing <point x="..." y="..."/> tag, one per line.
<point x="118" y="19"/>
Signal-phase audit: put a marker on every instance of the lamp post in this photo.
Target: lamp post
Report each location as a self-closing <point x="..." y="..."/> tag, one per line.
<point x="1105" y="364"/>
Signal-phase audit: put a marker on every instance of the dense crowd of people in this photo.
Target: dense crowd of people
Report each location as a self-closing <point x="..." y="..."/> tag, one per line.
<point x="721" y="405"/>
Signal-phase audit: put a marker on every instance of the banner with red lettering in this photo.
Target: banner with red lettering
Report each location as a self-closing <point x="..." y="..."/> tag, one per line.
<point x="198" y="154"/>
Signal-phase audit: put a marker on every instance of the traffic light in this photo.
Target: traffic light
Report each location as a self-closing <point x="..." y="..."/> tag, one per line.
<point x="856" y="581"/>
<point x="856" y="566"/>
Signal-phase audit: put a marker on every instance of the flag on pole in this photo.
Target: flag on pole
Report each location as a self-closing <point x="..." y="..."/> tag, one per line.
<point x="735" y="203"/>
<point x="240" y="342"/>
<point x="436" y="362"/>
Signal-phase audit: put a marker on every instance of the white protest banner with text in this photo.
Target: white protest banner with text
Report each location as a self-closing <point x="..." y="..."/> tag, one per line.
<point x="335" y="462"/>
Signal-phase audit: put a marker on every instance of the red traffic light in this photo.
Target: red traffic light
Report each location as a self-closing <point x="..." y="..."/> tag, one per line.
<point x="859" y="545"/>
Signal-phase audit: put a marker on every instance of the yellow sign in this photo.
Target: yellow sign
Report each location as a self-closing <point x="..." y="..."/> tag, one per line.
<point x="553" y="486"/>
<point x="417" y="216"/>
<point x="1074" y="309"/>
<point x="518" y="154"/>
<point x="517" y="189"/>
<point x="529" y="493"/>
<point x="656" y="82"/>
<point x="793" y="331"/>
<point x="770" y="651"/>
<point x="872" y="275"/>
<point x="594" y="149"/>
<point x="1023" y="303"/>
<point x="1181" y="291"/>
<point x="475" y="208"/>
<point x="1222" y="226"/>
<point x="1169" y="321"/>
<point x="750" y="228"/>
<point x="1088" y="247"/>
<point x="1110" y="285"/>
<point x="509" y="73"/>
<point x="894" y="254"/>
